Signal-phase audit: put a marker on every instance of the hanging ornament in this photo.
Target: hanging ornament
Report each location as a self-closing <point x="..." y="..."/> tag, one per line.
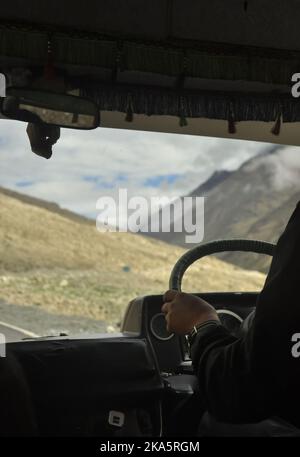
<point x="182" y="119"/>
<point x="117" y="66"/>
<point x="182" y="76"/>
<point x="49" y="70"/>
<point x="129" y="109"/>
<point x="231" y="120"/>
<point x="277" y="126"/>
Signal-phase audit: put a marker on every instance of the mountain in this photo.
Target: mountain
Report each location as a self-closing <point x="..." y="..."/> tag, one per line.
<point x="214" y="180"/>
<point x="56" y="262"/>
<point x="254" y="201"/>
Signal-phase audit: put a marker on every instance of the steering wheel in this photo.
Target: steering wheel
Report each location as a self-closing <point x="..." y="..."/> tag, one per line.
<point x="203" y="250"/>
<point x="182" y="264"/>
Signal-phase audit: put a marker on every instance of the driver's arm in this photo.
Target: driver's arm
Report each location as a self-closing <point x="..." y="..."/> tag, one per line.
<point x="221" y="361"/>
<point x="249" y="378"/>
<point x="223" y="366"/>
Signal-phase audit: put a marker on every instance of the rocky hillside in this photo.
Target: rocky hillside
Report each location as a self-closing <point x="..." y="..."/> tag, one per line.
<point x="254" y="202"/>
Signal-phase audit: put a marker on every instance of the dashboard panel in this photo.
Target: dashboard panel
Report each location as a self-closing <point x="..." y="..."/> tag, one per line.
<point x="81" y="387"/>
<point x="102" y="386"/>
<point x="144" y="317"/>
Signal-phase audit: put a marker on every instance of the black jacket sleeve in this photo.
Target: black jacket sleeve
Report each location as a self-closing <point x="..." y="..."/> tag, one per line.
<point x="250" y="378"/>
<point x="222" y="364"/>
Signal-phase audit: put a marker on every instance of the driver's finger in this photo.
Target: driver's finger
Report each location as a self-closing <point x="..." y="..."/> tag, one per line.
<point x="166" y="308"/>
<point x="170" y="295"/>
<point x="167" y="318"/>
<point x="170" y="323"/>
<point x="168" y="326"/>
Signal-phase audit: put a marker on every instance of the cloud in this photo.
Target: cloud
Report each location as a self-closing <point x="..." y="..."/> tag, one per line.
<point x="283" y="167"/>
<point x="89" y="164"/>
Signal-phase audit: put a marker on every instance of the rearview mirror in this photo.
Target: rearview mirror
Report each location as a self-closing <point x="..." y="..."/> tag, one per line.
<point x="62" y="110"/>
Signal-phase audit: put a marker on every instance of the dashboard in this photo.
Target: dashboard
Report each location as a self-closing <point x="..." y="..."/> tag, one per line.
<point x="81" y="386"/>
<point x="144" y="317"/>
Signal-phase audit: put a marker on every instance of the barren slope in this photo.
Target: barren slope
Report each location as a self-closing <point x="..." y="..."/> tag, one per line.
<point x="66" y="267"/>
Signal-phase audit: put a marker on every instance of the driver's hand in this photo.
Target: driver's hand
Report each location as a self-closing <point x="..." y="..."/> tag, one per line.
<point x="185" y="311"/>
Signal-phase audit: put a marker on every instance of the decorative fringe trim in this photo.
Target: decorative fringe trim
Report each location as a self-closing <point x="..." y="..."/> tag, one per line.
<point x="208" y="61"/>
<point x="192" y="104"/>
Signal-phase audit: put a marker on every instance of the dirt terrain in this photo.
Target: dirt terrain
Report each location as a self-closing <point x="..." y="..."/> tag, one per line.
<point x="58" y="273"/>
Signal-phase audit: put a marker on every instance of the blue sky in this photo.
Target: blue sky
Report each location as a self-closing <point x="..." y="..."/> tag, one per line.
<point x="88" y="165"/>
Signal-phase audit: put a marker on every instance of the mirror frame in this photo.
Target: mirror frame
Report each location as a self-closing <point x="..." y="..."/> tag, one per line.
<point x="10" y="93"/>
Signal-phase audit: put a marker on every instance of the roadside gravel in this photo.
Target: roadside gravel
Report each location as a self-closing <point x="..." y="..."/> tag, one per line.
<point x="43" y="323"/>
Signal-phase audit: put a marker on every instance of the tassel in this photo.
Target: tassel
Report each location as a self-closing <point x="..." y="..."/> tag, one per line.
<point x="277" y="126"/>
<point x="182" y="121"/>
<point x="116" y="68"/>
<point x="181" y="112"/>
<point x="231" y="122"/>
<point x="129" y="116"/>
<point x="129" y="111"/>
<point x="49" y="70"/>
<point x="231" y="125"/>
<point x="182" y="76"/>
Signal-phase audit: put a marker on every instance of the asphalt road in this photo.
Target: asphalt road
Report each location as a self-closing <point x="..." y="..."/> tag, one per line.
<point x="30" y="321"/>
<point x="13" y="333"/>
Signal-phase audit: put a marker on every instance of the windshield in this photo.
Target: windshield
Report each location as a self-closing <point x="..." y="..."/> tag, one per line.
<point x="75" y="231"/>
